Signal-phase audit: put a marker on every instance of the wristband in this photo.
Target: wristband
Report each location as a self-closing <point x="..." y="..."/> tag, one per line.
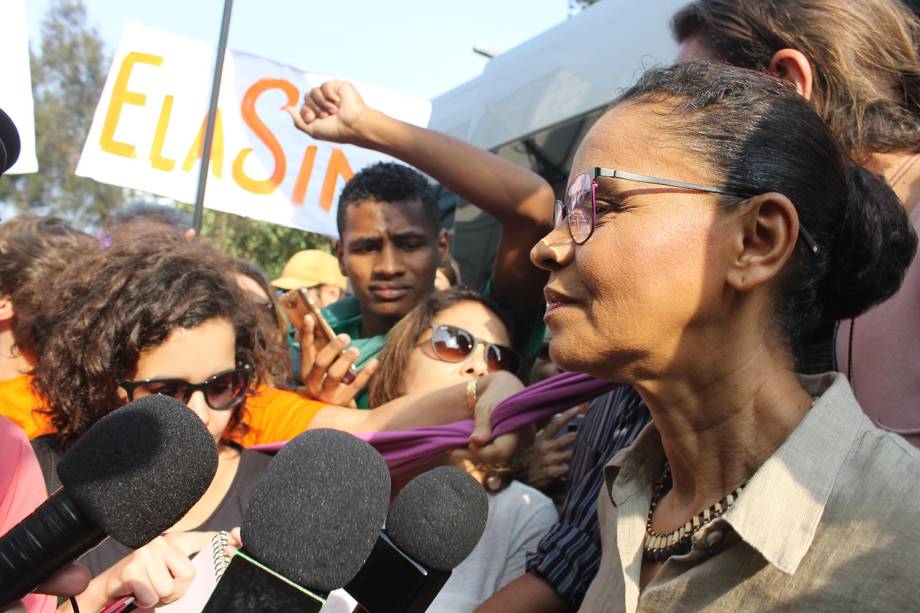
<point x="472" y="389"/>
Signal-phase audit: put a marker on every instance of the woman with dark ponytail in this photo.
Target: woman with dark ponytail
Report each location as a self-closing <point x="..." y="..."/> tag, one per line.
<point x="711" y="218"/>
<point x="858" y="63"/>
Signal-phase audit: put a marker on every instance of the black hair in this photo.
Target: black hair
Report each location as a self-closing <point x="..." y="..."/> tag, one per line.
<point x="757" y="134"/>
<point x="149" y="211"/>
<point x="389" y="182"/>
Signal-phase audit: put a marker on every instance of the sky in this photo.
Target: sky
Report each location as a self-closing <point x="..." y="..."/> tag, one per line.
<point x="416" y="47"/>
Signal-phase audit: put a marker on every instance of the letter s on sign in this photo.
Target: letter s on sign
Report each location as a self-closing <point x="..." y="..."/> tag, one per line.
<point x="265" y="186"/>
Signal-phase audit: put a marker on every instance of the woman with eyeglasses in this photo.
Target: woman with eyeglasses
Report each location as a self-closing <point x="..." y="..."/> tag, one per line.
<point x="458" y="337"/>
<point x="141" y="319"/>
<point x="711" y="217"/>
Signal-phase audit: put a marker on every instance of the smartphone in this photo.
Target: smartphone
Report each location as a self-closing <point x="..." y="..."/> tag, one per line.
<point x="298" y="303"/>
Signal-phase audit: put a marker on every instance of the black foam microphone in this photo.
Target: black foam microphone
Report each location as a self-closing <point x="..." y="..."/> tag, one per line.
<point x="9" y="142"/>
<point x="134" y="474"/>
<point x="312" y="520"/>
<point x="434" y="524"/>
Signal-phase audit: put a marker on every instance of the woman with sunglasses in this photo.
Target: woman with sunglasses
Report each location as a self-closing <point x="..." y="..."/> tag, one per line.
<point x="145" y="318"/>
<point x="458" y="337"/>
<point x="168" y="316"/>
<point x="712" y="217"/>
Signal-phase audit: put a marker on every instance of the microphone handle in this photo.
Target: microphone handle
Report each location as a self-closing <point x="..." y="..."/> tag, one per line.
<point x="55" y="534"/>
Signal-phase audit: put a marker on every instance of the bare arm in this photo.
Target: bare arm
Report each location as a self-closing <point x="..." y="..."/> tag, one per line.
<point x="527" y="594"/>
<point x="419" y="410"/>
<point x="520" y="199"/>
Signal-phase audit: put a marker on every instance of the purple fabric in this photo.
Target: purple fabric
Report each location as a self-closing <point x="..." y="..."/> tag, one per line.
<point x="407" y="449"/>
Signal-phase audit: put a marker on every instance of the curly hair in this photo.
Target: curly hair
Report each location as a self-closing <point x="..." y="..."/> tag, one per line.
<point x="387" y="382"/>
<point x="389" y="182"/>
<point x="111" y="306"/>
<point x="32" y="248"/>
<point x="276" y="323"/>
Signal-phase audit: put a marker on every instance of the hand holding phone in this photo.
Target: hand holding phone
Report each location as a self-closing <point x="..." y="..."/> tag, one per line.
<point x="298" y="303"/>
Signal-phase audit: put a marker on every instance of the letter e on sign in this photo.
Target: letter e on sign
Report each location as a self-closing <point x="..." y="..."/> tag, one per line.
<point x="120" y="97"/>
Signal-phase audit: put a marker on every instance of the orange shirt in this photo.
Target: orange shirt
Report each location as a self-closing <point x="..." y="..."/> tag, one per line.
<point x="18" y="403"/>
<point x="274" y="415"/>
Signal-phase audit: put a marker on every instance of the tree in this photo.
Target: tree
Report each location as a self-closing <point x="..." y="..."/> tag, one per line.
<point x="67" y="80"/>
<point x="266" y="244"/>
<point x="68" y="75"/>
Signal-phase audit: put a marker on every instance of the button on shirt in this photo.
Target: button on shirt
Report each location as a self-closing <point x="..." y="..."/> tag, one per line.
<point x="828" y="523"/>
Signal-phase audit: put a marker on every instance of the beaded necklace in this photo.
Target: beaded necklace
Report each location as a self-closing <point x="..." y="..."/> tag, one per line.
<point x="659" y="546"/>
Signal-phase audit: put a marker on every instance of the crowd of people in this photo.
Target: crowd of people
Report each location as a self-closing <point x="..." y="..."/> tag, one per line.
<point x="736" y="249"/>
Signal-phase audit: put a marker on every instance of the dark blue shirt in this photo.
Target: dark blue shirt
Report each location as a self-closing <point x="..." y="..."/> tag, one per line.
<point x="569" y="555"/>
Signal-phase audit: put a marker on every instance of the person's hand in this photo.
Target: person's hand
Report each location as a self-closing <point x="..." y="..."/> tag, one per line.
<point x="550" y="455"/>
<point x="501" y="385"/>
<point x="69" y="581"/>
<point x="234" y="541"/>
<point x="158" y="573"/>
<point x="331" y="112"/>
<point x="323" y="371"/>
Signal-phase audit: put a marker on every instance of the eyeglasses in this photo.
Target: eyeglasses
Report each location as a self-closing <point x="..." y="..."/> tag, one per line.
<point x="452" y="344"/>
<point x="223" y="391"/>
<point x="580" y="207"/>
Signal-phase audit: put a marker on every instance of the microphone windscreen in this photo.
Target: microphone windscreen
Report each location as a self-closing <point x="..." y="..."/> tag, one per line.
<point x="438" y="517"/>
<point x="9" y="142"/>
<point x="139" y="469"/>
<point x="315" y="514"/>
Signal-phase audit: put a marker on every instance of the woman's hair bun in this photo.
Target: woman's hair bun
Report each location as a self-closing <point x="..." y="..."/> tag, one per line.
<point x="872" y="249"/>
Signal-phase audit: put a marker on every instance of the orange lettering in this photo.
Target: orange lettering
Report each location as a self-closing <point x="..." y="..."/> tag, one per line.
<point x="217" y="147"/>
<point x="248" y="109"/>
<point x="120" y="97"/>
<point x="156" y="150"/>
<point x="303" y="177"/>
<point x="338" y="167"/>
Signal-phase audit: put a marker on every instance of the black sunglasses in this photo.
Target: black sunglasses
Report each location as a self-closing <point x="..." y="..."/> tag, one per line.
<point x="452" y="344"/>
<point x="222" y="391"/>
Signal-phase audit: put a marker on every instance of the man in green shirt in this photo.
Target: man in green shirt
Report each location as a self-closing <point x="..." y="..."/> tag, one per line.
<point x="390" y="242"/>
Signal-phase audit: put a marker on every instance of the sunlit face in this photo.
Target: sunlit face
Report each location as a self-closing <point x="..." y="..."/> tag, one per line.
<point x="390" y="253"/>
<point x="425" y="372"/>
<point x="627" y="302"/>
<point x="194" y="354"/>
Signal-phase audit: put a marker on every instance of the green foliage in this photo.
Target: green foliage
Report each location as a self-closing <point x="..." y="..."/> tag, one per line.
<point x="67" y="79"/>
<point x="266" y="244"/>
<point x="68" y="74"/>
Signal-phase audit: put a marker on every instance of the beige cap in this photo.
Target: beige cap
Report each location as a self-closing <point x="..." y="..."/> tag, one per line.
<point x="308" y="268"/>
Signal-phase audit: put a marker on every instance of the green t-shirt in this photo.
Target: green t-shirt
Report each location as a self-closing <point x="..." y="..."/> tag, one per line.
<point x="345" y="318"/>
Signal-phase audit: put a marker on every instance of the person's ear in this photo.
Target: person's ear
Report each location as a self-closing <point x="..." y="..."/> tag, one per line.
<point x="792" y="65"/>
<point x="443" y="244"/>
<point x="340" y="256"/>
<point x="6" y="309"/>
<point x="766" y="240"/>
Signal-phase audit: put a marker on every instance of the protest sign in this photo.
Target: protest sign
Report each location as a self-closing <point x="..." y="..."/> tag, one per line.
<point x="148" y="129"/>
<point x="16" y="78"/>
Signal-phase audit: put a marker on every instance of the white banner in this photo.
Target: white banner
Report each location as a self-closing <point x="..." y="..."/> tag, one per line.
<point x="149" y="126"/>
<point x="16" y="77"/>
